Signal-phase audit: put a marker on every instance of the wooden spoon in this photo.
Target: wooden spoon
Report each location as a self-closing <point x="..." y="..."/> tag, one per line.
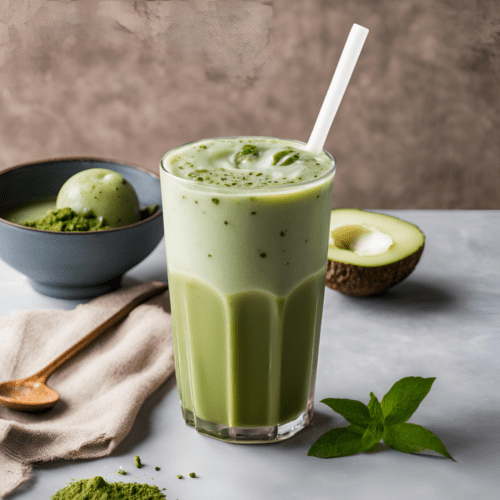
<point x="31" y="393"/>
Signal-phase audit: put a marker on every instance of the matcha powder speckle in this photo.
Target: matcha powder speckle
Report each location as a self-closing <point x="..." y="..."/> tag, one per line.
<point x="97" y="488"/>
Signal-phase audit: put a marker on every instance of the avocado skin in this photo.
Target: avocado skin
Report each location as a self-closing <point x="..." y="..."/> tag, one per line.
<point x="359" y="281"/>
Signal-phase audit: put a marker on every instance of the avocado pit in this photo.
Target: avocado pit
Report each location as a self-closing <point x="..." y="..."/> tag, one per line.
<point x="370" y="252"/>
<point x="360" y="239"/>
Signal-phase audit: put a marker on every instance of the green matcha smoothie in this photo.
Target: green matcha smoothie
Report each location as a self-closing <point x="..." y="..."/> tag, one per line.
<point x="246" y="230"/>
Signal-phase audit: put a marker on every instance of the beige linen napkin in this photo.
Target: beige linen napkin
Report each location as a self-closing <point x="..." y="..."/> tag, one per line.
<point x="101" y="390"/>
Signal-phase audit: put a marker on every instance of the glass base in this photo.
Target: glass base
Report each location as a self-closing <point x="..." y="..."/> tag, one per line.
<point x="249" y="435"/>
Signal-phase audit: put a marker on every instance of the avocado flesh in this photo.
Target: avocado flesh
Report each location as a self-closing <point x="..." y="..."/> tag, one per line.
<point x="370" y="252"/>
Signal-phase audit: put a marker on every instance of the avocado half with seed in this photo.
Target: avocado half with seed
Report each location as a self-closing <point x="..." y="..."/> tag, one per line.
<point x="370" y="252"/>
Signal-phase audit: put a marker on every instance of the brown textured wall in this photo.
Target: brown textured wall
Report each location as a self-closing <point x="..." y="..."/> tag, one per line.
<point x="418" y="126"/>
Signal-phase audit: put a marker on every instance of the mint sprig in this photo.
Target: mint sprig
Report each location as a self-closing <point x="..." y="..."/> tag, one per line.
<point x="385" y="420"/>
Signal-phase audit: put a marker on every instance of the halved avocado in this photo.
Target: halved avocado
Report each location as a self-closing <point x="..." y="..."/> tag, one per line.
<point x="370" y="252"/>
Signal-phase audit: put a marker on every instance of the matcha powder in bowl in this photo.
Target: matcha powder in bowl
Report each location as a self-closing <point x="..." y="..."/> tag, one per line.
<point x="97" y="488"/>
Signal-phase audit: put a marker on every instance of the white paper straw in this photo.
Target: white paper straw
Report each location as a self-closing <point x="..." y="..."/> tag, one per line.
<point x="340" y="79"/>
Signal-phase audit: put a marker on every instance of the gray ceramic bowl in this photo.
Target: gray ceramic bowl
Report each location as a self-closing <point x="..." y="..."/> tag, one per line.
<point x="74" y="265"/>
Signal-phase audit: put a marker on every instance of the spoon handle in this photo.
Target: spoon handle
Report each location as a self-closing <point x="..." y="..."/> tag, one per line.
<point x="45" y="373"/>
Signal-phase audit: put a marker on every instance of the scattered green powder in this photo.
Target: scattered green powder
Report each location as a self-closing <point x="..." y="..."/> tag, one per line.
<point x="278" y="156"/>
<point x="291" y="160"/>
<point x="66" y="220"/>
<point x="97" y="488"/>
<point x="138" y="463"/>
<point x="179" y="476"/>
<point x="246" y="151"/>
<point x="122" y="472"/>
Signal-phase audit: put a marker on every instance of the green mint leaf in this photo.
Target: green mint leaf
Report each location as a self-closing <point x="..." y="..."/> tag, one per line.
<point x="356" y="429"/>
<point x="372" y="436"/>
<point x="412" y="438"/>
<point x="403" y="398"/>
<point x="354" y="412"/>
<point x="375" y="409"/>
<point x="339" y="442"/>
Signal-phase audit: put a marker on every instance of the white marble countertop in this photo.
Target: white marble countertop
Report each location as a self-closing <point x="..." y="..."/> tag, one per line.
<point x="443" y="322"/>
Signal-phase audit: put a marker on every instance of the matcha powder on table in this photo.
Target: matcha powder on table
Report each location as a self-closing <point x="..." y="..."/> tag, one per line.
<point x="97" y="488"/>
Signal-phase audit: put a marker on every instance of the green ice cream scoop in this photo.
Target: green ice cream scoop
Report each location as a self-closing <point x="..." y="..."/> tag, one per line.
<point x="104" y="193"/>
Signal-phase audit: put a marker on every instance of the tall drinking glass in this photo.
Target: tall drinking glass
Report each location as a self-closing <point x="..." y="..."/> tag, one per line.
<point x="246" y="231"/>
